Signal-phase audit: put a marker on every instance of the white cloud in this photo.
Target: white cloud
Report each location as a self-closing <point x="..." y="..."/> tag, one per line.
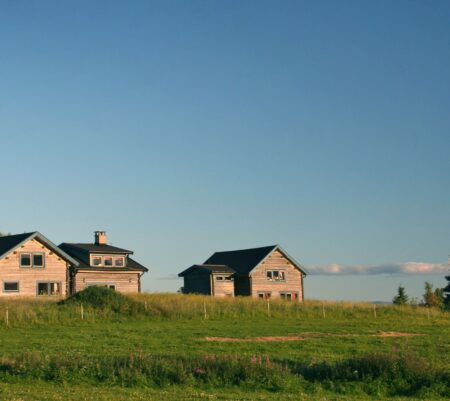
<point x="389" y="268"/>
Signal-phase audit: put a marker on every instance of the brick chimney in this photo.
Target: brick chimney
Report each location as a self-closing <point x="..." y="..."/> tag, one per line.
<point x="100" y="237"/>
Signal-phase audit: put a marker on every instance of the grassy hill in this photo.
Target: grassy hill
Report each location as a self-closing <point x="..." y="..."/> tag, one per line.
<point x="169" y="346"/>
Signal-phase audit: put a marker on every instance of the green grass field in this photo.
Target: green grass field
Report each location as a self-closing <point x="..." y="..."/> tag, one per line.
<point x="155" y="348"/>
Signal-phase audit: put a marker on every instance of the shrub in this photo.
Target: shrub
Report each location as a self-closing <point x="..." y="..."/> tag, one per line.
<point x="105" y="298"/>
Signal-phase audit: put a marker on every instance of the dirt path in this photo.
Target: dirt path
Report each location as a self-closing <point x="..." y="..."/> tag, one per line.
<point x="305" y="336"/>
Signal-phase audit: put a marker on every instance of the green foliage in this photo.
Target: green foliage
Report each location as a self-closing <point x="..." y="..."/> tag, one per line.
<point x="397" y="375"/>
<point x="446" y="294"/>
<point x="433" y="298"/>
<point x="98" y="297"/>
<point x="161" y="345"/>
<point x="401" y="298"/>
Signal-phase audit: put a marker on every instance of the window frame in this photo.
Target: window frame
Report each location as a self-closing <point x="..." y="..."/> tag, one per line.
<point x="104" y="257"/>
<point x="116" y="258"/>
<point x="11" y="282"/>
<point x="264" y="295"/>
<point x="294" y="295"/>
<point x="48" y="288"/>
<point x="108" y="285"/>
<point x="32" y="255"/>
<point x="279" y="271"/>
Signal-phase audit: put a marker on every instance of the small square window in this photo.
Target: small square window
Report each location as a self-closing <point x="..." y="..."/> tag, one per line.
<point x="219" y="278"/>
<point x="119" y="262"/>
<point x="11" y="287"/>
<point x="38" y="260"/>
<point x="25" y="260"/>
<point x="108" y="261"/>
<point x="96" y="261"/>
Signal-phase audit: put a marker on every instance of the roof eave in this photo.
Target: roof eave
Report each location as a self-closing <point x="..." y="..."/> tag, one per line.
<point x="49" y="244"/>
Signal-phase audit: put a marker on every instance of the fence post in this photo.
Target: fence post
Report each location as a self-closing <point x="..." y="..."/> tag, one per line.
<point x="428" y="312"/>
<point x="323" y="310"/>
<point x="7" y="317"/>
<point x="268" y="307"/>
<point x="374" y="310"/>
<point x="82" y="312"/>
<point x="204" y="309"/>
<point x="145" y="304"/>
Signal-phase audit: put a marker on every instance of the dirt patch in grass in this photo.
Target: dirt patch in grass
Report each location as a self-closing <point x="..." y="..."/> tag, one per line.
<point x="254" y="339"/>
<point x="395" y="334"/>
<point x="305" y="336"/>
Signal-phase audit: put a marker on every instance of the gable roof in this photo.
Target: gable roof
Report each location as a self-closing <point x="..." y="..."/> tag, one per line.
<point x="10" y="242"/>
<point x="244" y="261"/>
<point x="208" y="268"/>
<point x="81" y="253"/>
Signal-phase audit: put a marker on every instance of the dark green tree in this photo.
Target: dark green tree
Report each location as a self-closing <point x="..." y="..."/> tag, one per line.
<point x="401" y="298"/>
<point x="446" y="293"/>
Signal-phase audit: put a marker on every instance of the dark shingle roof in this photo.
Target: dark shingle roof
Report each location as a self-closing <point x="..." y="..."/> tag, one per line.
<point x="93" y="248"/>
<point x="208" y="268"/>
<point x="81" y="254"/>
<point x="242" y="261"/>
<point x="9" y="242"/>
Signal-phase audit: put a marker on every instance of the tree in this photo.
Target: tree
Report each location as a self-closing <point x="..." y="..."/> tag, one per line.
<point x="401" y="298"/>
<point x="433" y="298"/>
<point x="446" y="293"/>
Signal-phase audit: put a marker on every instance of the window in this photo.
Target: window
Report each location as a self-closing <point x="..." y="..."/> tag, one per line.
<point x="38" y="260"/>
<point x="25" y="260"/>
<point x="224" y="278"/>
<point x="96" y="261"/>
<point x="288" y="296"/>
<point x="275" y="275"/>
<point x="32" y="260"/>
<point x="264" y="295"/>
<point x="11" y="286"/>
<point x="119" y="262"/>
<point x="108" y="261"/>
<point x="107" y="285"/>
<point x="49" y="288"/>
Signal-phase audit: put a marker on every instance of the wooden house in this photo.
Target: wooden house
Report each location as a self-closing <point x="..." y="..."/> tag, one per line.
<point x="266" y="272"/>
<point x="100" y="264"/>
<point x="31" y="265"/>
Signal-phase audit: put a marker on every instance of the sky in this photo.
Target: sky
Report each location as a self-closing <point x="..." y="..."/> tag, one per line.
<point x="185" y="128"/>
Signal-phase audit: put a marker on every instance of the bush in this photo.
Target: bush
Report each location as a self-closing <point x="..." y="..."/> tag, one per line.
<point x="105" y="298"/>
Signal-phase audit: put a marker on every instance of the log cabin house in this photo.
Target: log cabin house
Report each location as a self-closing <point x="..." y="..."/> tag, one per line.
<point x="266" y="272"/>
<point x="31" y="265"/>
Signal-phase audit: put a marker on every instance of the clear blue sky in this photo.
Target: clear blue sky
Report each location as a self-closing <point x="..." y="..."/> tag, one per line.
<point x="182" y="128"/>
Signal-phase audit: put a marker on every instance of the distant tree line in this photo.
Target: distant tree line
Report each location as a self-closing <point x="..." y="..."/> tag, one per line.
<point x="431" y="298"/>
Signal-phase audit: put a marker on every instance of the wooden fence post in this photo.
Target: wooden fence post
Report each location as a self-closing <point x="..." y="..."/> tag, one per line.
<point x="204" y="309"/>
<point x="7" y="317"/>
<point x="374" y="310"/>
<point x="268" y="307"/>
<point x="145" y="304"/>
<point x="323" y="310"/>
<point x="82" y="312"/>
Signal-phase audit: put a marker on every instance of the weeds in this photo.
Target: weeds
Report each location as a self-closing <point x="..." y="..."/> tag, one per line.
<point x="392" y="375"/>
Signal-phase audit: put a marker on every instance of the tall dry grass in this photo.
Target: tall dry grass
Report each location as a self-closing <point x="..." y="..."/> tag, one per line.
<point x="26" y="312"/>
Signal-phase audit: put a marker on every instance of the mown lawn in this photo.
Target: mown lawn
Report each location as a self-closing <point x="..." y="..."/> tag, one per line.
<point x="169" y="329"/>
